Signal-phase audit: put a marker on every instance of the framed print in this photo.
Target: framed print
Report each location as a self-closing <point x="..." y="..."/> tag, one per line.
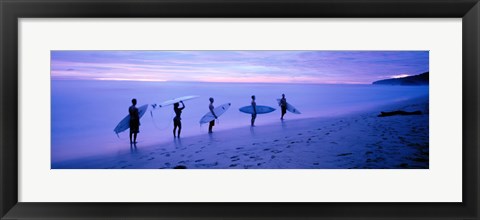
<point x="209" y="109"/>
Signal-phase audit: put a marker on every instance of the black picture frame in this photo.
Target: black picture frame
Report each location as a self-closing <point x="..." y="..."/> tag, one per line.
<point x="12" y="10"/>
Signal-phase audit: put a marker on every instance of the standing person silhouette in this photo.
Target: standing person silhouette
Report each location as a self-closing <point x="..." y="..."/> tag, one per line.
<point x="254" y="115"/>
<point x="212" y="122"/>
<point x="177" y="119"/>
<point x="134" y="121"/>
<point x="283" y="105"/>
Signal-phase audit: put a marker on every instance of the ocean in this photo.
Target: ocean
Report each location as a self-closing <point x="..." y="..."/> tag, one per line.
<point x="85" y="112"/>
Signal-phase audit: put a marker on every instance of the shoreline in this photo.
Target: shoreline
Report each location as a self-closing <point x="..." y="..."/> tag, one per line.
<point x="353" y="140"/>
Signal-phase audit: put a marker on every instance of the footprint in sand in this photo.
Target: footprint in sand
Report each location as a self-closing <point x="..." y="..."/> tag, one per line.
<point x="233" y="157"/>
<point x="266" y="149"/>
<point x="199" y="160"/>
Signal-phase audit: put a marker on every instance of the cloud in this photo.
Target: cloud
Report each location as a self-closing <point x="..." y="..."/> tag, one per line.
<point x="238" y="66"/>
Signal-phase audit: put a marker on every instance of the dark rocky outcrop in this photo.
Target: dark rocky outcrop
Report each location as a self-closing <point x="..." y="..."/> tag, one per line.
<point x="421" y="79"/>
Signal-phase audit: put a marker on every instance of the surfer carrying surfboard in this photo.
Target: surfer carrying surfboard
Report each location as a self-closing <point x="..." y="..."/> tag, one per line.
<point x="283" y="105"/>
<point x="134" y="121"/>
<point x="177" y="119"/>
<point x="254" y="114"/>
<point x="212" y="122"/>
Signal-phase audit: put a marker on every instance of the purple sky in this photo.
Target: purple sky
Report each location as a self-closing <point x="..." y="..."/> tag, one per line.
<point x="344" y="67"/>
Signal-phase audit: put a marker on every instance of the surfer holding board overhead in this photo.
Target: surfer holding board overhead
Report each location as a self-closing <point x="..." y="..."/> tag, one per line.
<point x="177" y="119"/>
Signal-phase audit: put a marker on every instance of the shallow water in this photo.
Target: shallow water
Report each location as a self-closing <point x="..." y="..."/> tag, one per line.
<point x="84" y="113"/>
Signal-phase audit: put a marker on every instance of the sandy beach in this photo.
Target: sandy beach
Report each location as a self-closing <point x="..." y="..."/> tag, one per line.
<point x="354" y="141"/>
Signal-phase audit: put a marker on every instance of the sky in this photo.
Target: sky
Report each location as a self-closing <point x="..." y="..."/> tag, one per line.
<point x="326" y="67"/>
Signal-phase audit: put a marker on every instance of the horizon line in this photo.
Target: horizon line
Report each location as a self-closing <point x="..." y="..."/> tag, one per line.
<point x="236" y="82"/>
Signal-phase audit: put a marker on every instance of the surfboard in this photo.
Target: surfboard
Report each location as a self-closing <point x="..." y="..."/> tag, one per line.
<point x="290" y="108"/>
<point x="173" y="101"/>
<point x="218" y="111"/>
<point x="125" y="122"/>
<point x="261" y="109"/>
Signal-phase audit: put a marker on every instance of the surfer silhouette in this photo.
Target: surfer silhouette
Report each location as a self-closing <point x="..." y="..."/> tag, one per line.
<point x="134" y="121"/>
<point x="177" y="119"/>
<point x="254" y="115"/>
<point x="212" y="122"/>
<point x="283" y="105"/>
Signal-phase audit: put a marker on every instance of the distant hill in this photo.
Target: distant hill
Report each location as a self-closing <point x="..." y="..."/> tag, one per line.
<point x="421" y="79"/>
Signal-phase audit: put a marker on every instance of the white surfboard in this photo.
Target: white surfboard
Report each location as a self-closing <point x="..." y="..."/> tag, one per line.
<point x="261" y="109"/>
<point x="173" y="101"/>
<point x="125" y="122"/>
<point x="218" y="112"/>
<point x="290" y="108"/>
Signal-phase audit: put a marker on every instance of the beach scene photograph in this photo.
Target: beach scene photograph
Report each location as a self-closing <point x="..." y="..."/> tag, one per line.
<point x="252" y="109"/>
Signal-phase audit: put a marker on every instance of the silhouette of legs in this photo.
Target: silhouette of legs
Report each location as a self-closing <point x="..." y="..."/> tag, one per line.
<point x="253" y="119"/>
<point x="284" y="111"/>
<point x="179" y="129"/>
<point x="177" y="124"/>
<point x="210" y="126"/>
<point x="134" y="134"/>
